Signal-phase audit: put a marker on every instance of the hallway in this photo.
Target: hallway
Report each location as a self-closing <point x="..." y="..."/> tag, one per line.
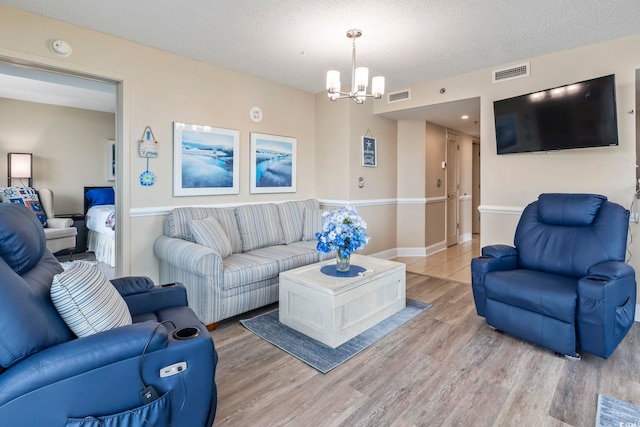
<point x="454" y="263"/>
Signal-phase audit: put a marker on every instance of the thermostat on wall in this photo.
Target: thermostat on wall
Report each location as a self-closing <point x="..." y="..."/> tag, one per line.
<point x="255" y="114"/>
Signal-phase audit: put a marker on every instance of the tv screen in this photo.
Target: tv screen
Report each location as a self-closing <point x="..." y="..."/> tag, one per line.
<point x="578" y="115"/>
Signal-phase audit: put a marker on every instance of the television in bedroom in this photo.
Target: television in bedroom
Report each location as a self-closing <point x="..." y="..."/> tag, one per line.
<point x="577" y="115"/>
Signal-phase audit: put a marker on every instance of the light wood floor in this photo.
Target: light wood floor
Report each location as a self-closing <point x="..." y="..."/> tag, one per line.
<point x="446" y="367"/>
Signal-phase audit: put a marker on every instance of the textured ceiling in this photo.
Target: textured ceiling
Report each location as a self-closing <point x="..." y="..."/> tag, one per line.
<point x="294" y="42"/>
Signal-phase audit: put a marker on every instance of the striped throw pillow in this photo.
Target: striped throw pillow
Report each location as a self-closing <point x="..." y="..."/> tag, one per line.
<point x="208" y="232"/>
<point x="312" y="223"/>
<point x="87" y="301"/>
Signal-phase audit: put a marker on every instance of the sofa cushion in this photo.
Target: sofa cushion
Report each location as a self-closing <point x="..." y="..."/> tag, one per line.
<point x="87" y="301"/>
<point x="288" y="256"/>
<point x="177" y="223"/>
<point x="259" y="226"/>
<point x="548" y="294"/>
<point x="26" y="196"/>
<point x="292" y="218"/>
<point x="244" y="269"/>
<point x="312" y="223"/>
<point x="209" y="232"/>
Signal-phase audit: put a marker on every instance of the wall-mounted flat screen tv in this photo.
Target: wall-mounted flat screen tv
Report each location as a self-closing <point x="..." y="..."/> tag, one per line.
<point x="577" y="115"/>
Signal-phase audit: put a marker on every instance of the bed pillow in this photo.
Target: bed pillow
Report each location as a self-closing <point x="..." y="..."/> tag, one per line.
<point x="87" y="301"/>
<point x="101" y="196"/>
<point x="26" y="196"/>
<point x="208" y="232"/>
<point x="312" y="223"/>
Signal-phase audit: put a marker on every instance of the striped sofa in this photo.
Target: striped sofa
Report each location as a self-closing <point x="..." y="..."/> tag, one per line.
<point x="229" y="258"/>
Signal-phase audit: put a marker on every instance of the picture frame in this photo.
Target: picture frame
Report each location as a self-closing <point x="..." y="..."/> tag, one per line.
<point x="369" y="152"/>
<point x="111" y="160"/>
<point x="205" y="160"/>
<point x="272" y="163"/>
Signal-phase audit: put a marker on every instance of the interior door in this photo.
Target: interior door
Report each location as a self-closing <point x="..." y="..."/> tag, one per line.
<point x="452" y="223"/>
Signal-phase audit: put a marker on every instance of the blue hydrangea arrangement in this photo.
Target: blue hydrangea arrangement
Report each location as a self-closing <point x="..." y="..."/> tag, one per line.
<point x="342" y="230"/>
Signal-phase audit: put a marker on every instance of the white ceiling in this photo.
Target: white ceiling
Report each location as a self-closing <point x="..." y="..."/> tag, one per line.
<point x="294" y="42"/>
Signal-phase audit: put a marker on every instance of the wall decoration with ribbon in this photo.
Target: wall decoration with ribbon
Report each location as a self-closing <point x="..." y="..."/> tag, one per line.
<point x="148" y="148"/>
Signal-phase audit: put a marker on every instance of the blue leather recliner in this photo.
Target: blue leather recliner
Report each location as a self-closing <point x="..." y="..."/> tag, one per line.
<point x="565" y="285"/>
<point x="118" y="377"/>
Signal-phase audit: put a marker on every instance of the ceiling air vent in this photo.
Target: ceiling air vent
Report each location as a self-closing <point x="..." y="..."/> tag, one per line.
<point x="510" y="73"/>
<point x="399" y="96"/>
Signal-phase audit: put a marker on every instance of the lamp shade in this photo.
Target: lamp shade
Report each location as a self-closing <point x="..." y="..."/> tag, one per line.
<point x="362" y="78"/>
<point x="19" y="166"/>
<point x="377" y="86"/>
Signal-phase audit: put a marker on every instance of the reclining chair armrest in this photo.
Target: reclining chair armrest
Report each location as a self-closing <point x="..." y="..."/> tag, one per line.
<point x="499" y="251"/>
<point x="158" y="298"/>
<point x="59" y="222"/>
<point x="142" y="296"/>
<point x="494" y="258"/>
<point x="132" y="285"/>
<point x="606" y="307"/>
<point x="611" y="270"/>
<point x="73" y="358"/>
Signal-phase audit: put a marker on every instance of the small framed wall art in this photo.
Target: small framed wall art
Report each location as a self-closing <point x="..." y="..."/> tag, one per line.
<point x="111" y="160"/>
<point x="273" y="164"/>
<point x="205" y="160"/>
<point x="369" y="152"/>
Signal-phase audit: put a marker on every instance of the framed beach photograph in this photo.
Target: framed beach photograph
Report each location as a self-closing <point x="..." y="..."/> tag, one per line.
<point x="273" y="163"/>
<point x="111" y="160"/>
<point x="369" y="152"/>
<point x="205" y="160"/>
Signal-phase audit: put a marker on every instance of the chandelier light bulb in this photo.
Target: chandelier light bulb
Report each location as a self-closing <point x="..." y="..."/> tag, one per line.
<point x="359" y="79"/>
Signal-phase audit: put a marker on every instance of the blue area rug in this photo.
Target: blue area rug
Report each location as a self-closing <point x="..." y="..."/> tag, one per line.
<point x="321" y="356"/>
<point x="614" y="412"/>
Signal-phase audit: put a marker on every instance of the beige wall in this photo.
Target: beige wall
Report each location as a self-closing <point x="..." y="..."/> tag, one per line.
<point x="68" y="147"/>
<point x="159" y="88"/>
<point x="340" y="126"/>
<point x="509" y="182"/>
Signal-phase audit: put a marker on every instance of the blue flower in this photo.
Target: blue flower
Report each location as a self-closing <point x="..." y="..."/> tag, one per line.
<point x="343" y="230"/>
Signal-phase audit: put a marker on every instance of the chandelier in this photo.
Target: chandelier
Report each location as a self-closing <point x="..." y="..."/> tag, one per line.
<point x="359" y="79"/>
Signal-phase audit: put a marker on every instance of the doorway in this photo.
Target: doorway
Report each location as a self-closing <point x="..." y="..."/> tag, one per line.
<point x="75" y="89"/>
<point x="452" y="185"/>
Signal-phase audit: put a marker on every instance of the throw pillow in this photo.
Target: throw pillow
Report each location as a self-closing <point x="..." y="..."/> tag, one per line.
<point x="208" y="232"/>
<point x="26" y="196"/>
<point x="312" y="223"/>
<point x="101" y="196"/>
<point x="87" y="301"/>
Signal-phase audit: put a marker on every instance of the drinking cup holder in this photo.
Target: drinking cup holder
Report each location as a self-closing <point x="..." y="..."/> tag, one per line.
<point x="186" y="333"/>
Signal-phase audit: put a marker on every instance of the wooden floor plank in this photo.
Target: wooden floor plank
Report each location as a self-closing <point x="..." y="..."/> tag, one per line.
<point x="444" y="367"/>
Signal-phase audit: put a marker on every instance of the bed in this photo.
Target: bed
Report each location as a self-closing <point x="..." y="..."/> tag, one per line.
<point x="100" y="216"/>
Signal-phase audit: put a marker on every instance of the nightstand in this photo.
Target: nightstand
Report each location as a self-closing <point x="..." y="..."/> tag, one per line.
<point x="80" y="225"/>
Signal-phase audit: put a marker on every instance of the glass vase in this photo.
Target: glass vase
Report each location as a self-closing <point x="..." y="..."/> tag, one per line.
<point x="342" y="263"/>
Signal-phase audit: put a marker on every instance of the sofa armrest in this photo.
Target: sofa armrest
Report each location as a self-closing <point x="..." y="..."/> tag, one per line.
<point x="494" y="258"/>
<point x="606" y="307"/>
<point x="73" y="358"/>
<point x="59" y="222"/>
<point x="188" y="256"/>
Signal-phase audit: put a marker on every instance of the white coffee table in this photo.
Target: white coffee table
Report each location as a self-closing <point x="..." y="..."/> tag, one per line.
<point x="332" y="309"/>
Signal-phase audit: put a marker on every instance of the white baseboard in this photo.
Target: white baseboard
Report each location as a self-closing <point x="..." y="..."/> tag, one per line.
<point x="386" y="254"/>
<point x="465" y="237"/>
<point x="637" y="318"/>
<point x="411" y="252"/>
<point x="436" y="247"/>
